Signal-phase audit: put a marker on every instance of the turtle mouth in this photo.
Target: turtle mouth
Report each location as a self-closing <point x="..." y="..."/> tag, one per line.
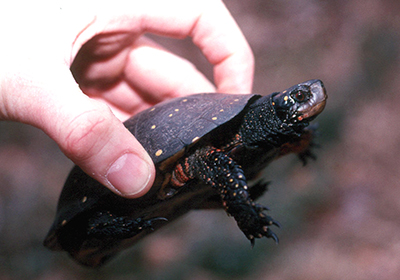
<point x="315" y="104"/>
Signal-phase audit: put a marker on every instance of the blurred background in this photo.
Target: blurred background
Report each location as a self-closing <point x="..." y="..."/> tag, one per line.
<point x="340" y="214"/>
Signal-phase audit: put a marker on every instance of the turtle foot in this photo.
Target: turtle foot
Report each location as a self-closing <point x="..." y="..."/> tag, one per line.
<point x="106" y="225"/>
<point x="254" y="223"/>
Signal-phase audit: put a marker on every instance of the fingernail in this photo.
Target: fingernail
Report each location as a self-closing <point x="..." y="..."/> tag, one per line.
<point x="129" y="174"/>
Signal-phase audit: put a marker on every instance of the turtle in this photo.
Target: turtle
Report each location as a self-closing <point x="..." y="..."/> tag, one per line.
<point x="207" y="148"/>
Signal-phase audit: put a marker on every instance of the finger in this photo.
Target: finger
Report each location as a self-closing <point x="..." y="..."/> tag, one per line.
<point x="151" y="74"/>
<point x="222" y="42"/>
<point x="85" y="129"/>
<point x="208" y="22"/>
<point x="159" y="74"/>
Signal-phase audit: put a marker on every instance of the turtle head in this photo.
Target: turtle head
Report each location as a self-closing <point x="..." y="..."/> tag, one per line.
<point x="301" y="103"/>
<point x="277" y="117"/>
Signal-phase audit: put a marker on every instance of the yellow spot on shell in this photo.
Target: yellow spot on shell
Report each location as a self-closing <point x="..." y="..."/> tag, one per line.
<point x="152" y="109"/>
<point x="170" y="115"/>
<point x="221" y="110"/>
<point x="158" y="153"/>
<point x="273" y="103"/>
<point x="153" y="126"/>
<point x="284" y="91"/>
<point x="195" y="139"/>
<point x="63" y="222"/>
<point x="286" y="98"/>
<point x="184" y="100"/>
<point x="236" y="100"/>
<point x="84" y="199"/>
<point x="214" y="118"/>
<point x="176" y="110"/>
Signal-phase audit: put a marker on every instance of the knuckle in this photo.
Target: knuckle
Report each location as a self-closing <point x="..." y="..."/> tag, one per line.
<point x="86" y="135"/>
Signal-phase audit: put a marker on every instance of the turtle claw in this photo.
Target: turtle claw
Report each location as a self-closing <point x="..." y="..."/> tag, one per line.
<point x="264" y="208"/>
<point x="149" y="223"/>
<point x="271" y="234"/>
<point x="260" y="207"/>
<point x="252" y="242"/>
<point x="267" y="232"/>
<point x="276" y="223"/>
<point x="158" y="219"/>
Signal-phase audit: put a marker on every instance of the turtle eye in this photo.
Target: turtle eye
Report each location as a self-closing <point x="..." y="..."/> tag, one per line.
<point x="299" y="96"/>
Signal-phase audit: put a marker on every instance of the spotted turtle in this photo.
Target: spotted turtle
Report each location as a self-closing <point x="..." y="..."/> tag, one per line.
<point x="205" y="148"/>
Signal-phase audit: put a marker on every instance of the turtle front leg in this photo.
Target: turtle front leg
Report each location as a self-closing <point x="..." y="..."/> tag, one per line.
<point x="106" y="225"/>
<point x="218" y="170"/>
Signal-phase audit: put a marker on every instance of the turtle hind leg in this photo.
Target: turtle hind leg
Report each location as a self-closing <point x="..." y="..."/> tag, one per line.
<point x="308" y="144"/>
<point x="257" y="190"/>
<point x="217" y="169"/>
<point x="106" y="225"/>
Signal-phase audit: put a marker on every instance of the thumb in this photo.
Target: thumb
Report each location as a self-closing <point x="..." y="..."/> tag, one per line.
<point x="85" y="130"/>
<point x="101" y="145"/>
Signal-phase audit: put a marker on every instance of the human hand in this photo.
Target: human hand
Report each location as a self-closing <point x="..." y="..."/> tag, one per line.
<point x="117" y="71"/>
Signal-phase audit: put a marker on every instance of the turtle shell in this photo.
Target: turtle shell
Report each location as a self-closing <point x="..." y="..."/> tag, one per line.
<point x="168" y="127"/>
<point x="164" y="130"/>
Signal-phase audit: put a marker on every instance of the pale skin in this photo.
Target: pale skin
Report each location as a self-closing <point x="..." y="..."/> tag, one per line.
<point x="118" y="72"/>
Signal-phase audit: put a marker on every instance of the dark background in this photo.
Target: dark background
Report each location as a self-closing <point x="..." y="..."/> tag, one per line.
<point x="340" y="214"/>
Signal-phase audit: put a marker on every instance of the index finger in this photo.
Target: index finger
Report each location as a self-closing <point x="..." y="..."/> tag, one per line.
<point x="208" y="22"/>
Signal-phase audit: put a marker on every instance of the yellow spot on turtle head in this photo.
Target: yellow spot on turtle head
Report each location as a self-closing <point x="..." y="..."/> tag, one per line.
<point x="153" y="126"/>
<point x="84" y="199"/>
<point x="273" y="103"/>
<point x="63" y="222"/>
<point x="284" y="91"/>
<point x="158" y="153"/>
<point x="286" y="98"/>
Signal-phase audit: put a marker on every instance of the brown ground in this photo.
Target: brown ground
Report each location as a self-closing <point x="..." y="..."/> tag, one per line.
<point x="340" y="215"/>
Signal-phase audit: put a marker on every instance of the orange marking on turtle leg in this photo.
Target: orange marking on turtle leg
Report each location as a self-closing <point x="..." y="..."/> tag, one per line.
<point x="179" y="177"/>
